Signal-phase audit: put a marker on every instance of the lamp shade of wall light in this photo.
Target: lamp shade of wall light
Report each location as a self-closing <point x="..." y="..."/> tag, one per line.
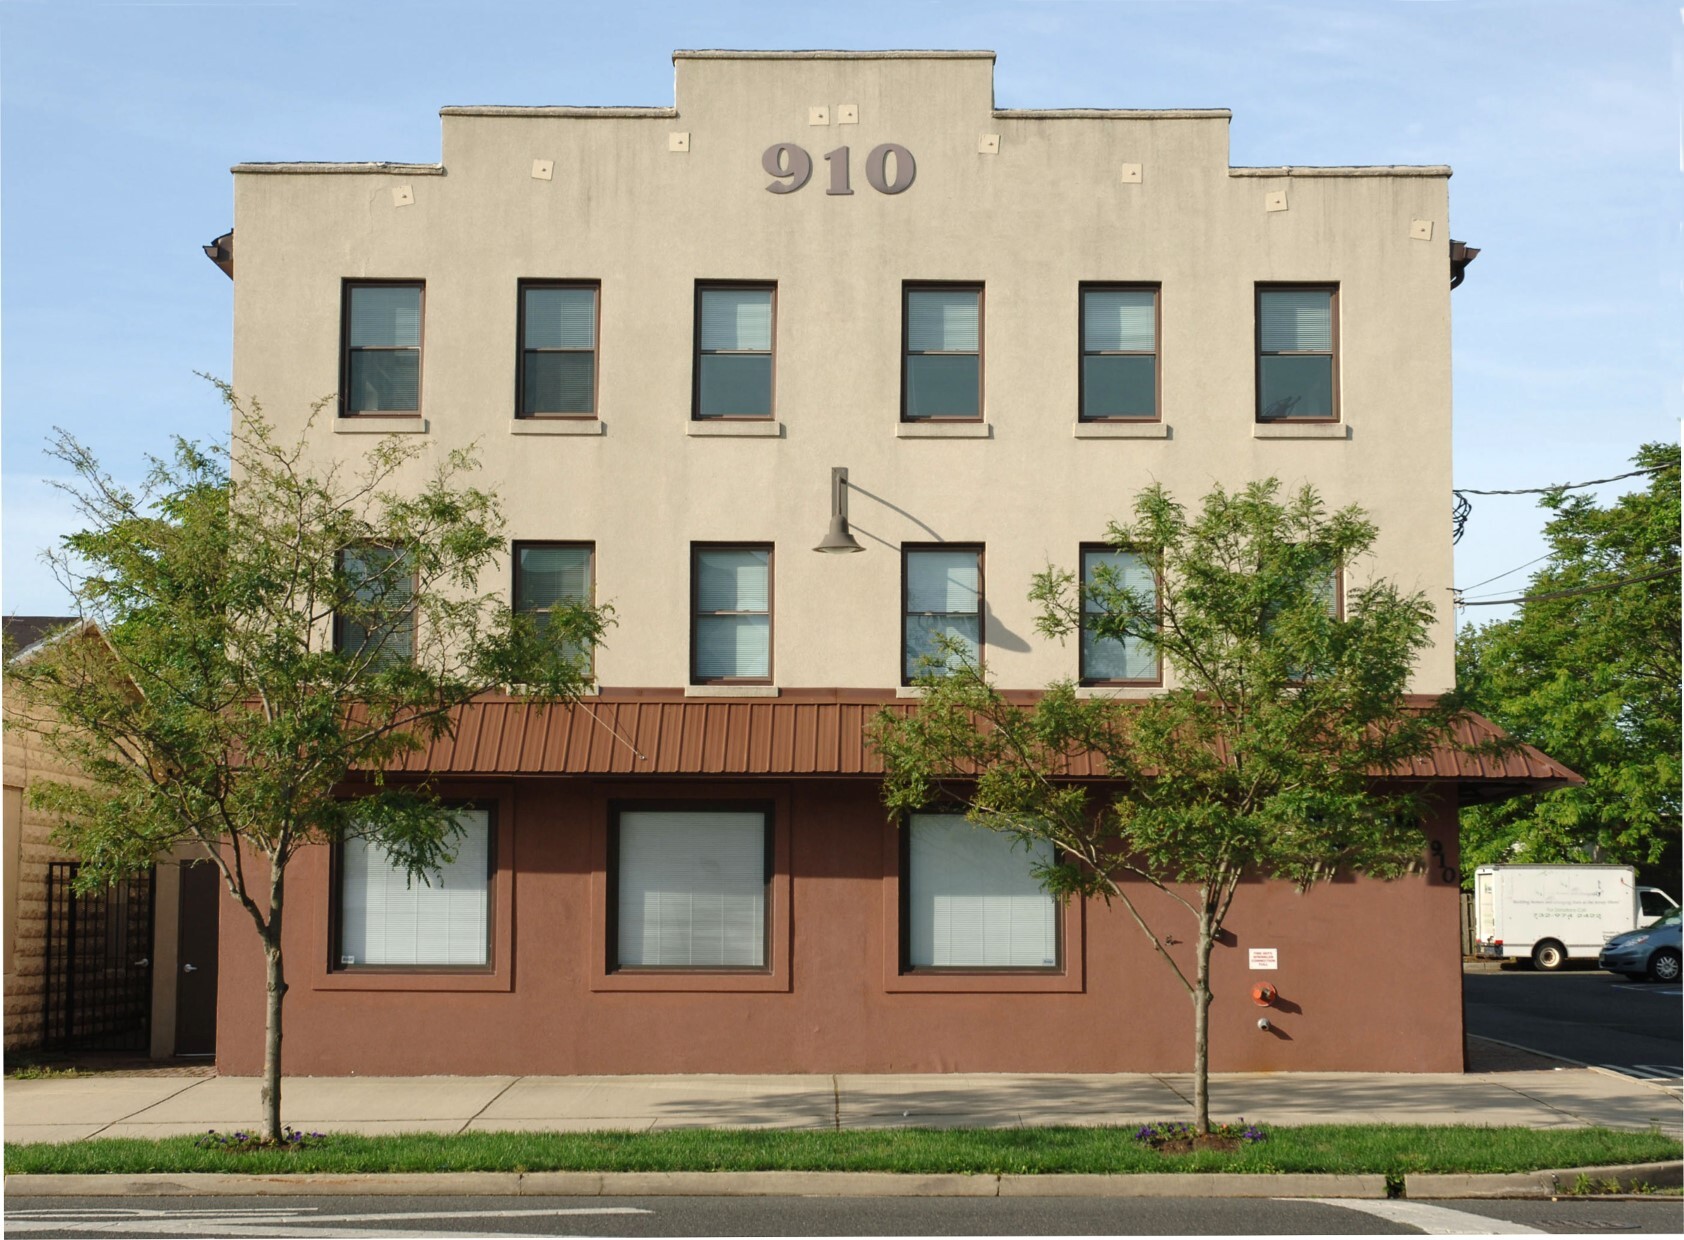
<point x="837" y="538"/>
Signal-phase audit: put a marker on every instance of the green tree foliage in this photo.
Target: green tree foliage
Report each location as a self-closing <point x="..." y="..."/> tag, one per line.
<point x="1257" y="760"/>
<point x="211" y="707"/>
<point x="1588" y="671"/>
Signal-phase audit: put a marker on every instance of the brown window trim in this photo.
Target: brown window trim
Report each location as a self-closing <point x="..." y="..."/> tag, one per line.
<point x="414" y="591"/>
<point x="696" y="548"/>
<point x="1081" y="649"/>
<point x="346" y="286"/>
<point x="981" y="291"/>
<point x="1156" y="354"/>
<point x="909" y="549"/>
<point x="520" y="544"/>
<point x="521" y="287"/>
<point x="611" y="929"/>
<point x="1069" y="977"/>
<point x="1257" y="353"/>
<point x="757" y="286"/>
<point x="497" y="975"/>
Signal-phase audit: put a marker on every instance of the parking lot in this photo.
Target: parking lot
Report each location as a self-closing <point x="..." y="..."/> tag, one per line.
<point x="1580" y="1014"/>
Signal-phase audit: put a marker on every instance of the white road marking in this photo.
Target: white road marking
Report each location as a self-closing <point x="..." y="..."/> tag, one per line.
<point x="294" y="1230"/>
<point x="279" y="1221"/>
<point x="1432" y="1220"/>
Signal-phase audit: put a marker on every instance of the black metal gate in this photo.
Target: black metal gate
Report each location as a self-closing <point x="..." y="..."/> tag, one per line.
<point x="98" y="964"/>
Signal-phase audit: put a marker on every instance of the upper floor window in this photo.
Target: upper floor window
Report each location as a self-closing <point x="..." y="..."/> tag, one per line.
<point x="734" y="351"/>
<point x="971" y="899"/>
<point x="550" y="575"/>
<point x="557" y="376"/>
<point x="1297" y="354"/>
<point x="1109" y="660"/>
<point x="381" y="367"/>
<point x="731" y="633"/>
<point x="1119" y="353"/>
<point x="942" y="593"/>
<point x="941" y="376"/>
<point x="376" y="615"/>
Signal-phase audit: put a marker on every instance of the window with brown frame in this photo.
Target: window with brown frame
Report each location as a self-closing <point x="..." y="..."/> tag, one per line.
<point x="1110" y="660"/>
<point x="1119" y="333"/>
<point x="556" y="376"/>
<point x="735" y="333"/>
<point x="375" y="613"/>
<point x="380" y="358"/>
<point x="941" y="364"/>
<point x="971" y="899"/>
<point x="730" y="613"/>
<point x="941" y="600"/>
<point x="1297" y="353"/>
<point x="689" y="887"/>
<point x="554" y="574"/>
<point x="386" y="920"/>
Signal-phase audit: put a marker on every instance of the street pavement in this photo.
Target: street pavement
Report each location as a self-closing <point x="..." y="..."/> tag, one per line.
<point x="76" y="1108"/>
<point x="1581" y="1015"/>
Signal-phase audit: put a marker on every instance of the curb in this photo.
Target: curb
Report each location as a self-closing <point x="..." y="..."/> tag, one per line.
<point x="695" y="1184"/>
<point x="1542" y="1183"/>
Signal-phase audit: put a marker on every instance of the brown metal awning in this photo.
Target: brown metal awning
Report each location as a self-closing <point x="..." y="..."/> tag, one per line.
<point x="794" y="736"/>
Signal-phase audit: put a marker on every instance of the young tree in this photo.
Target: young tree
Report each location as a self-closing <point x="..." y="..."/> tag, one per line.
<point x="1589" y="670"/>
<point x="272" y="637"/>
<point x="1259" y="758"/>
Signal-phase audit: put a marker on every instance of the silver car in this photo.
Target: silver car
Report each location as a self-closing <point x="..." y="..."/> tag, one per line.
<point x="1651" y="951"/>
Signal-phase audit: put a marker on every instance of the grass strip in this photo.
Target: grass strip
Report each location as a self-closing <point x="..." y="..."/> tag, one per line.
<point x="1341" y="1148"/>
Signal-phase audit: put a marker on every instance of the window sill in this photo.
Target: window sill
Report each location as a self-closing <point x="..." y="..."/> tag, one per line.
<point x="379" y="424"/>
<point x="982" y="983"/>
<point x="1118" y="691"/>
<point x="692" y="981"/>
<point x="730" y="691"/>
<point x="1121" y="430"/>
<point x="735" y="428"/>
<point x="909" y="691"/>
<point x="418" y="981"/>
<point x="944" y="430"/>
<point x="1300" y="430"/>
<point x="556" y="426"/>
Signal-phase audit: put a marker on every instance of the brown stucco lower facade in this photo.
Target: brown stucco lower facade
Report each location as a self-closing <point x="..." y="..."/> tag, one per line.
<point x="1368" y="976"/>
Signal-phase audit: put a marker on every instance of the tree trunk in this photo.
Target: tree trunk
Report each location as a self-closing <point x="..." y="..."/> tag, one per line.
<point x="1201" y="1029"/>
<point x="277" y="985"/>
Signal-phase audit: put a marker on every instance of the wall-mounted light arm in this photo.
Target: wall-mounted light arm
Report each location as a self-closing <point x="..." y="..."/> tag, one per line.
<point x="837" y="539"/>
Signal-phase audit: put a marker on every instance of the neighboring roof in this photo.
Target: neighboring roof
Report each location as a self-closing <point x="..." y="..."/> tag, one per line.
<point x="795" y="737"/>
<point x="22" y="632"/>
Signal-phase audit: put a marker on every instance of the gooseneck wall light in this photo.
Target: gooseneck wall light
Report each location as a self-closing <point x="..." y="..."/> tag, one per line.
<point x="837" y="539"/>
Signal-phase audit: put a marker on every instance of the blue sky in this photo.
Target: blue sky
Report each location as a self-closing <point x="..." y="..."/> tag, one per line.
<point x="119" y="121"/>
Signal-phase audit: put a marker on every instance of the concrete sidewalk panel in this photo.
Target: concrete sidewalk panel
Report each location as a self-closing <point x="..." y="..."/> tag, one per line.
<point x="49" y="1134"/>
<point x="994" y="1100"/>
<point x="1193" y="1184"/>
<point x="713" y="1101"/>
<point x="90" y="1100"/>
<point x="335" y="1101"/>
<point x="623" y="1123"/>
<point x="367" y="1128"/>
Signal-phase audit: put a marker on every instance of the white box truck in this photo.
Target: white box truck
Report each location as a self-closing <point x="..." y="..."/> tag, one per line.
<point x="1550" y="914"/>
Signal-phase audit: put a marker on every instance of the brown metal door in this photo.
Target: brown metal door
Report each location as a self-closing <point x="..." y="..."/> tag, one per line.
<point x="195" y="983"/>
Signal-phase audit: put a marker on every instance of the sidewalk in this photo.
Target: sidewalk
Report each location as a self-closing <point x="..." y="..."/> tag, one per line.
<point x="75" y="1108"/>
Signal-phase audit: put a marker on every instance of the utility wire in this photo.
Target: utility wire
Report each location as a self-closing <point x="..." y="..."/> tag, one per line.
<point x="1462" y="508"/>
<point x="1576" y="590"/>
<point x="1500" y="576"/>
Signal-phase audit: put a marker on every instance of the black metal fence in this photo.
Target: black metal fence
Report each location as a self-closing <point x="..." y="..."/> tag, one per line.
<point x="98" y="964"/>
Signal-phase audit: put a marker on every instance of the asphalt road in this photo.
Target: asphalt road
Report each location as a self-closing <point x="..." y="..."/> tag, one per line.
<point x="1590" y="1017"/>
<point x="311" y="1217"/>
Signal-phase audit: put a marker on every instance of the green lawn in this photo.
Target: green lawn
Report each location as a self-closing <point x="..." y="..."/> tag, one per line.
<point x="1387" y="1150"/>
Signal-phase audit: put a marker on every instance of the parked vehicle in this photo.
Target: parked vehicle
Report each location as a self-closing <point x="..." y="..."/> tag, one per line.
<point x="1651" y="952"/>
<point x="1550" y="914"/>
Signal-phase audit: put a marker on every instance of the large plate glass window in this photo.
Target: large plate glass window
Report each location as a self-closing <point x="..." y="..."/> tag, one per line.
<point x="382" y="362"/>
<point x="943" y="593"/>
<point x="731" y="639"/>
<point x="441" y="920"/>
<point x="557" y="350"/>
<point x="1119" y="353"/>
<point x="734" y="352"/>
<point x="1108" y="660"/>
<point x="942" y="375"/>
<point x="971" y="898"/>
<point x="690" y="889"/>
<point x="1297" y="358"/>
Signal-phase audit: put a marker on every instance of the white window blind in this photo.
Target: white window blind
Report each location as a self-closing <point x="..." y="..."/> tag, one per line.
<point x="692" y="889"/>
<point x="942" y="320"/>
<point x="1296" y="320"/>
<point x="383" y="317"/>
<point x="386" y="918"/>
<point x="972" y="901"/>
<point x="736" y="320"/>
<point x="1106" y="658"/>
<point x="733" y="614"/>
<point x="560" y="318"/>
<point x="942" y="581"/>
<point x="552" y="575"/>
<point x="1119" y="321"/>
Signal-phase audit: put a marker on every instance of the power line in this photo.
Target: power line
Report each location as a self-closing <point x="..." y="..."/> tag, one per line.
<point x="1576" y="590"/>
<point x="1462" y="507"/>
<point x="1500" y="576"/>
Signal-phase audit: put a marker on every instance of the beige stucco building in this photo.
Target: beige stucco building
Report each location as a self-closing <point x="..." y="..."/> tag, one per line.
<point x="663" y="329"/>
